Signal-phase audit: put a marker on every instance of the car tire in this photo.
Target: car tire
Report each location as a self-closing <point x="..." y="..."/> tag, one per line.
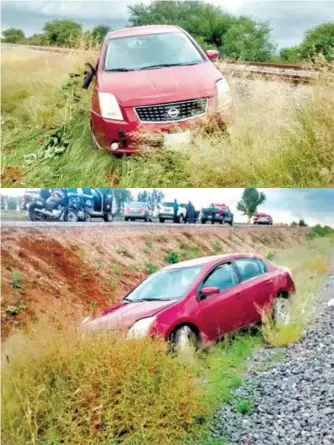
<point x="231" y="222"/>
<point x="203" y="221"/>
<point x="107" y="217"/>
<point x="87" y="217"/>
<point x="184" y="339"/>
<point x="161" y="220"/>
<point x="71" y="216"/>
<point x="145" y="219"/>
<point x="126" y="219"/>
<point x="281" y="310"/>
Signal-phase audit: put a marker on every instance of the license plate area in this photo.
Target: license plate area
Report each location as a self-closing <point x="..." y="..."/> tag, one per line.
<point x="176" y="139"/>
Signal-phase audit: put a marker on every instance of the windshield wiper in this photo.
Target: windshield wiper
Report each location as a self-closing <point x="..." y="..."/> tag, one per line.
<point x="119" y="70"/>
<point x="167" y="65"/>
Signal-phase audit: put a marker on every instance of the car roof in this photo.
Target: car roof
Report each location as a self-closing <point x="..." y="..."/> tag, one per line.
<point x="210" y="260"/>
<point x="142" y="30"/>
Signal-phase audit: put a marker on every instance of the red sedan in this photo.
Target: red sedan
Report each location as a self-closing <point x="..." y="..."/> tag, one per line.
<point x="153" y="78"/>
<point x="200" y="300"/>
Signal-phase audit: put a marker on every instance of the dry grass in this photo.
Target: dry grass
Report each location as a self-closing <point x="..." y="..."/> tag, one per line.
<point x="309" y="264"/>
<point x="63" y="388"/>
<point x="282" y="136"/>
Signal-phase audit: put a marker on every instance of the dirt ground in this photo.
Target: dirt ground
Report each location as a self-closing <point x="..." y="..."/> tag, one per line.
<point x="61" y="275"/>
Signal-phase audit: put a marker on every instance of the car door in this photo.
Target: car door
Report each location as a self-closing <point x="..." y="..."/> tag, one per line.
<point x="258" y="287"/>
<point x="220" y="313"/>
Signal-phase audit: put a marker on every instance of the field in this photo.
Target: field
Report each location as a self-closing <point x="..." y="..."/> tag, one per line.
<point x="61" y="387"/>
<point x="282" y="136"/>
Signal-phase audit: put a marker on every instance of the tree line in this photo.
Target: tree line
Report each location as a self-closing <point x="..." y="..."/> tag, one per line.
<point x="236" y="37"/>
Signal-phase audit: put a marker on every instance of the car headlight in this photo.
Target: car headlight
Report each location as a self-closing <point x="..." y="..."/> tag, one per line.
<point x="141" y="328"/>
<point x="223" y="93"/>
<point x="109" y="107"/>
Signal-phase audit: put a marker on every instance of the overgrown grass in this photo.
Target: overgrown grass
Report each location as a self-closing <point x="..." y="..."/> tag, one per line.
<point x="97" y="389"/>
<point x="309" y="264"/>
<point x="282" y="136"/>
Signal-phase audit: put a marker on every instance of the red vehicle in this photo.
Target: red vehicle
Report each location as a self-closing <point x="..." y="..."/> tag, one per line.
<point x="263" y="218"/>
<point x="152" y="78"/>
<point x="200" y="300"/>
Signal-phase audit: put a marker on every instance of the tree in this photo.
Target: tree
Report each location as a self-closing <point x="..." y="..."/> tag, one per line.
<point x="294" y="224"/>
<point x="291" y="54"/>
<point x="235" y="37"/>
<point x="121" y="196"/>
<point x="62" y="32"/>
<point x="99" y="33"/>
<point x="302" y="223"/>
<point x="153" y="198"/>
<point x="12" y="35"/>
<point x="250" y="200"/>
<point x="248" y="40"/>
<point x="319" y="40"/>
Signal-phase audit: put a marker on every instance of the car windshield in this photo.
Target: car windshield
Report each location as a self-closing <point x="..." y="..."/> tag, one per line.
<point x="152" y="51"/>
<point x="168" y="204"/>
<point x="137" y="205"/>
<point x="170" y="284"/>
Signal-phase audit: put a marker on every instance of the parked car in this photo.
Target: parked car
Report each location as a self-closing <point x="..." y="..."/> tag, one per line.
<point x="263" y="218"/>
<point x="217" y="213"/>
<point x="138" y="210"/>
<point x="152" y="78"/>
<point x="166" y="212"/>
<point x="99" y="202"/>
<point x="200" y="300"/>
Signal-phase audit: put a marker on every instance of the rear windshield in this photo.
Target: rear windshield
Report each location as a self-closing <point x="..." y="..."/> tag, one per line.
<point x="168" y="204"/>
<point x="151" y="51"/>
<point x="137" y="204"/>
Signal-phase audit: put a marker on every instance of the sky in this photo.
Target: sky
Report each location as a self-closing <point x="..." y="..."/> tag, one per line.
<point x="289" y="19"/>
<point x="315" y="206"/>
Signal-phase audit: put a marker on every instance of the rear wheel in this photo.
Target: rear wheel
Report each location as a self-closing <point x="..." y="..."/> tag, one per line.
<point x="107" y="217"/>
<point x="184" y="339"/>
<point x="87" y="217"/>
<point x="203" y="221"/>
<point x="282" y="311"/>
<point x="126" y="219"/>
<point x="161" y="220"/>
<point x="35" y="216"/>
<point x="231" y="222"/>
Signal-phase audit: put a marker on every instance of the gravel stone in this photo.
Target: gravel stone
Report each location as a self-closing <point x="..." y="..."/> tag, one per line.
<point x="293" y="400"/>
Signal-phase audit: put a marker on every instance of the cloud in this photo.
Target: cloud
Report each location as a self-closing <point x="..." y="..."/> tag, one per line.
<point x="288" y="19"/>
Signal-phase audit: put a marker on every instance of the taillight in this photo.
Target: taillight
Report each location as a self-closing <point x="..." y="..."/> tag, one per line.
<point x="220" y="212"/>
<point x="127" y="209"/>
<point x="142" y="210"/>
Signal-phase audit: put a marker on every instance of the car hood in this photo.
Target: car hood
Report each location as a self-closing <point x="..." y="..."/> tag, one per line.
<point x="172" y="84"/>
<point x="123" y="316"/>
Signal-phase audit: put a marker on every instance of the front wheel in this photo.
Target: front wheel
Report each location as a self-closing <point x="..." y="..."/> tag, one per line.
<point x="161" y="220"/>
<point x="71" y="216"/>
<point x="184" y="339"/>
<point x="107" y="217"/>
<point x="87" y="217"/>
<point x="231" y="222"/>
<point x="203" y="221"/>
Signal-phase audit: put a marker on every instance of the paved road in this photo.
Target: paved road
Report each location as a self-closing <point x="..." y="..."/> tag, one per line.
<point x="98" y="223"/>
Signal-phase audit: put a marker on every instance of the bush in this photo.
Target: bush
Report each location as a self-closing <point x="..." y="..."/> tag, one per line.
<point x="96" y="389"/>
<point x="172" y="258"/>
<point x="151" y="268"/>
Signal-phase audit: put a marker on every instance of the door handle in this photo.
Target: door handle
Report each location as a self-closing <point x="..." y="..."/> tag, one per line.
<point x="269" y="281"/>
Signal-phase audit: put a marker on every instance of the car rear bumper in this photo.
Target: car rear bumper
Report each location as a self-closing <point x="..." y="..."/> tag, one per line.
<point x="166" y="215"/>
<point x="131" y="135"/>
<point x="135" y="215"/>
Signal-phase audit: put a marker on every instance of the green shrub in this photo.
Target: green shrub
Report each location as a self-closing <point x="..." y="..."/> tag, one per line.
<point x="16" y="280"/>
<point x="270" y="255"/>
<point x="244" y="406"/>
<point x="151" y="268"/>
<point x="172" y="258"/>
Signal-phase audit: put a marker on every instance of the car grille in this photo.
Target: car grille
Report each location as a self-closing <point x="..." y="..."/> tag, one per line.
<point x="173" y="112"/>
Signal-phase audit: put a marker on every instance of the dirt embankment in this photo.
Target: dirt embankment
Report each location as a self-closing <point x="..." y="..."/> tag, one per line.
<point x="62" y="274"/>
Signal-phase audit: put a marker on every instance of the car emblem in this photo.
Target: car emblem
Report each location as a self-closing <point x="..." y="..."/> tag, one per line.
<point x="173" y="113"/>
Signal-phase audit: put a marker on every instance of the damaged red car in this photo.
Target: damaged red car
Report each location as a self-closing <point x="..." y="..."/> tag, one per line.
<point x="198" y="301"/>
<point x="152" y="79"/>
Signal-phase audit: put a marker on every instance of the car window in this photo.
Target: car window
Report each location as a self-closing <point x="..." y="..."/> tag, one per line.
<point x="248" y="268"/>
<point x="263" y="266"/>
<point x="223" y="277"/>
<point x="143" y="51"/>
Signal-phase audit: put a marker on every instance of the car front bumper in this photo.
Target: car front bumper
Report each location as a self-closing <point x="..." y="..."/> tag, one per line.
<point x="131" y="135"/>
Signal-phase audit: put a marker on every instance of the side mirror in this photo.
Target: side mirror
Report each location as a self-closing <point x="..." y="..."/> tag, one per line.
<point x="212" y="54"/>
<point x="88" y="75"/>
<point x="207" y="291"/>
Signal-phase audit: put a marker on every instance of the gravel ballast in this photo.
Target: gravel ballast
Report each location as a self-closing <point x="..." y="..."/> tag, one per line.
<point x="291" y="390"/>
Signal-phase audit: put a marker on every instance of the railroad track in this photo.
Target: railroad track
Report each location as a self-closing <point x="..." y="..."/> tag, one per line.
<point x="297" y="74"/>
